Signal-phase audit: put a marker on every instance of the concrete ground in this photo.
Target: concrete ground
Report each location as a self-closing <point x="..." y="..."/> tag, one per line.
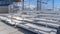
<point x="6" y="29"/>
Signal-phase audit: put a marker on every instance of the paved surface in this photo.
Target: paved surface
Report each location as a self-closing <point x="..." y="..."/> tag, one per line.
<point x="5" y="29"/>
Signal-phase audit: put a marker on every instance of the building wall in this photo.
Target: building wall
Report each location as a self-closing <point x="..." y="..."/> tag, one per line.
<point x="4" y="5"/>
<point x="3" y="9"/>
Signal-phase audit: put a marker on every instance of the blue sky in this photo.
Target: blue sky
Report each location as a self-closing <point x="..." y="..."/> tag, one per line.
<point x="33" y="2"/>
<point x="49" y="5"/>
<point x="57" y="2"/>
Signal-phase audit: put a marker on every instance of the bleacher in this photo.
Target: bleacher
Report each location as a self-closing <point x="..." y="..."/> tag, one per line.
<point x="47" y="23"/>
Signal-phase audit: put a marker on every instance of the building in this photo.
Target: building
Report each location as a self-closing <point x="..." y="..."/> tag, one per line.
<point x="4" y="5"/>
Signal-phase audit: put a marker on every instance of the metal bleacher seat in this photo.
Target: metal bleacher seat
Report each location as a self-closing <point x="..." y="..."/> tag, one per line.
<point x="51" y="24"/>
